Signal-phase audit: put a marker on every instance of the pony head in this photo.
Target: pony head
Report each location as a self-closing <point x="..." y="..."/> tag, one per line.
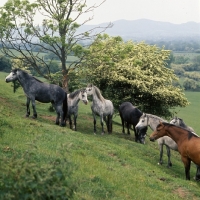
<point x="12" y="76"/>
<point x="142" y="134"/>
<point x="159" y="132"/>
<point x="175" y="121"/>
<point x="89" y="89"/>
<point x="83" y="96"/>
<point x="143" y="122"/>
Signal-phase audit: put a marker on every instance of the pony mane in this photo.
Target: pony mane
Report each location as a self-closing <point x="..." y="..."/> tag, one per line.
<point x="182" y="123"/>
<point x="37" y="79"/>
<point x="155" y="117"/>
<point x="26" y="74"/>
<point x="190" y="133"/>
<point x="98" y="93"/>
<point x="75" y="93"/>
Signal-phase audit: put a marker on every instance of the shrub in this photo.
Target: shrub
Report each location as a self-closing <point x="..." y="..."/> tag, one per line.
<point x="22" y="178"/>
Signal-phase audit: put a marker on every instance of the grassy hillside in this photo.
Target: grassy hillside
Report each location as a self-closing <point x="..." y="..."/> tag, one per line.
<point x="103" y="167"/>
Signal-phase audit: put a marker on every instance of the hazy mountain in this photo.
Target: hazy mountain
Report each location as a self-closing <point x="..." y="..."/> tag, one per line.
<point x="144" y="29"/>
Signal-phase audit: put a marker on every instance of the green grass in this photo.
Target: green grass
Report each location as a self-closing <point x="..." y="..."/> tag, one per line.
<point x="106" y="167"/>
<point x="190" y="114"/>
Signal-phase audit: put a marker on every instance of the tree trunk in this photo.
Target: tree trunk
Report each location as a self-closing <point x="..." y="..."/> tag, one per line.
<point x="65" y="81"/>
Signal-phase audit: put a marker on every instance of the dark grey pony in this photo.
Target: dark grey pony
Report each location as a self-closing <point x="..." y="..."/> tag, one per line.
<point x="130" y="115"/>
<point x="101" y="107"/>
<point x="42" y="92"/>
<point x="73" y="100"/>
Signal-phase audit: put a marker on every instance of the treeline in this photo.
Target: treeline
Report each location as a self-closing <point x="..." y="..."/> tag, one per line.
<point x="187" y="67"/>
<point x="192" y="45"/>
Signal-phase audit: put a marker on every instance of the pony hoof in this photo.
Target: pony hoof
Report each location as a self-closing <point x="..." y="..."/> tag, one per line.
<point x="27" y="116"/>
<point x="197" y="178"/>
<point x="159" y="163"/>
<point x="103" y="133"/>
<point x="34" y="117"/>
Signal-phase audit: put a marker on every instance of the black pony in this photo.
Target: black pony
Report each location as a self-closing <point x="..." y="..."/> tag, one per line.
<point x="42" y="92"/>
<point x="130" y="115"/>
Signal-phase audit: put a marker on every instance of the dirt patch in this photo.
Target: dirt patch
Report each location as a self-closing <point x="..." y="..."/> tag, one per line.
<point x="181" y="192"/>
<point x="3" y="100"/>
<point x="87" y="118"/>
<point x="50" y="118"/>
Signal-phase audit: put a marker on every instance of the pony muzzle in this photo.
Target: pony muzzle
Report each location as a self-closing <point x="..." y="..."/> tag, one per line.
<point x="152" y="139"/>
<point x="85" y="102"/>
<point x="7" y="81"/>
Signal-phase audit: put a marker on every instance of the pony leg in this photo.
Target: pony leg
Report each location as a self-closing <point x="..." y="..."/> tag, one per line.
<point x="61" y="115"/>
<point x="106" y="121"/>
<point x="70" y="122"/>
<point x="136" y="134"/>
<point x="27" y="107"/>
<point x="59" y="112"/>
<point x="94" y="118"/>
<point x="161" y="154"/>
<point x="34" y="109"/>
<point x="197" y="177"/>
<point x="75" y="117"/>
<point x="102" y="128"/>
<point x="122" y="120"/>
<point x="109" y="120"/>
<point x="187" y="163"/>
<point x="128" y="126"/>
<point x="168" y="155"/>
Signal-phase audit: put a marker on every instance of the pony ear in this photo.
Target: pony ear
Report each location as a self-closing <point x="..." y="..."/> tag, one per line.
<point x="90" y="85"/>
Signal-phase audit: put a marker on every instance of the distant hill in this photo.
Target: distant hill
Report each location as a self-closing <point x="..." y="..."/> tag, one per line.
<point x="144" y="29"/>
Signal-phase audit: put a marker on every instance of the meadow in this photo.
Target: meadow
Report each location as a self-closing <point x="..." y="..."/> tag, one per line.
<point x="190" y="55"/>
<point x="101" y="167"/>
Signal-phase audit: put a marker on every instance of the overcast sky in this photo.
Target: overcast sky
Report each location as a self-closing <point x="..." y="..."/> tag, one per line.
<point x="174" y="11"/>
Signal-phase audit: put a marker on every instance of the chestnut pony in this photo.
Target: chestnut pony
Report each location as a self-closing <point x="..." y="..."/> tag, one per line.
<point x="188" y="144"/>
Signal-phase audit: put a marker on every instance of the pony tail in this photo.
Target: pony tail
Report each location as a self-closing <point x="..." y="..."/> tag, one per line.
<point x="65" y="107"/>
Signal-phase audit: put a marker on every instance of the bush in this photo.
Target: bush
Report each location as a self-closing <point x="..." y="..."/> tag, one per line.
<point x="178" y="70"/>
<point x="189" y="84"/>
<point x="22" y="178"/>
<point x="5" y="64"/>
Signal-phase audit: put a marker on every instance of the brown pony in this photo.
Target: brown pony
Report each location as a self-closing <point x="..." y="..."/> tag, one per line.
<point x="187" y="142"/>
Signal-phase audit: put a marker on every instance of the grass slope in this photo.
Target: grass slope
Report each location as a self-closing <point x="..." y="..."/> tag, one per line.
<point x="106" y="167"/>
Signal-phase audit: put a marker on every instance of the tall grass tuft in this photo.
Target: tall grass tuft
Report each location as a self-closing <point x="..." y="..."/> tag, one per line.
<point x="22" y="177"/>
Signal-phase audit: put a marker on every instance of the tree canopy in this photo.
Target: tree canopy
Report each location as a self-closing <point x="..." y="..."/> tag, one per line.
<point x="126" y="71"/>
<point x="56" y="33"/>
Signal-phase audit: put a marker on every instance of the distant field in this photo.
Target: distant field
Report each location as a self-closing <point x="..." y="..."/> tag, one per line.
<point x="190" y="55"/>
<point x="191" y="114"/>
<point x="41" y="55"/>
